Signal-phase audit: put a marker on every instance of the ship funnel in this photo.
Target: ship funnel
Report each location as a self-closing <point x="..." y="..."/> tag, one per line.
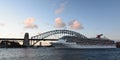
<point x="99" y="36"/>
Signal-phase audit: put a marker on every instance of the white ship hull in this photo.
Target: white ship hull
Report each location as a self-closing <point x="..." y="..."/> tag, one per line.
<point x="64" y="44"/>
<point x="82" y="46"/>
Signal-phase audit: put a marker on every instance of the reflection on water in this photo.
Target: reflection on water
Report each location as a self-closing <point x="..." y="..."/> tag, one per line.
<point x="58" y="54"/>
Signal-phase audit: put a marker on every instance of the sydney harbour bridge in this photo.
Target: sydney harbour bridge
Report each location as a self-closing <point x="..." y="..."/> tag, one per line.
<point x="53" y="35"/>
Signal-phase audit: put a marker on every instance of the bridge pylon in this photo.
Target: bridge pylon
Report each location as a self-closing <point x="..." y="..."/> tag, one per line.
<point x="26" y="40"/>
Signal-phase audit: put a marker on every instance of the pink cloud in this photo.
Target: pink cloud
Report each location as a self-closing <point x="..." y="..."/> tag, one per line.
<point x="75" y="25"/>
<point x="59" y="23"/>
<point x="29" y="23"/>
<point x="61" y="8"/>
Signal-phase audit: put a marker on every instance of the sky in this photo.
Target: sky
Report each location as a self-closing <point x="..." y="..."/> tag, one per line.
<point x="88" y="17"/>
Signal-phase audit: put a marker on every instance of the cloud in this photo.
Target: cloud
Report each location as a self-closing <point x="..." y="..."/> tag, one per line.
<point x="59" y="23"/>
<point x="21" y="33"/>
<point x="29" y="23"/>
<point x="2" y="24"/>
<point x="74" y="24"/>
<point x="61" y="8"/>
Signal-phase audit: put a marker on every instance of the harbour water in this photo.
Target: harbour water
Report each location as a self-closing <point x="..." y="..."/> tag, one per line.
<point x="50" y="53"/>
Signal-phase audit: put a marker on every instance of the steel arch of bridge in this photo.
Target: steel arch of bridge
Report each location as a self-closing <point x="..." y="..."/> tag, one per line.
<point x="53" y="32"/>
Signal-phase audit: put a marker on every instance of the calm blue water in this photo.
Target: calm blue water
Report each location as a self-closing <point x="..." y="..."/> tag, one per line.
<point x="58" y="54"/>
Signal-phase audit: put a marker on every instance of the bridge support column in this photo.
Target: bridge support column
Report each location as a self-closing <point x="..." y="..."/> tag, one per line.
<point x="26" y="40"/>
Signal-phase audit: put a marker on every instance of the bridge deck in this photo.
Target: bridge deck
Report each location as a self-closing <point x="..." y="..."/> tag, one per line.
<point x="29" y="39"/>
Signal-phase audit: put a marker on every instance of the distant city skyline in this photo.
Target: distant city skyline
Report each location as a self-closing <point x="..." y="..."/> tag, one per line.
<point x="88" y="17"/>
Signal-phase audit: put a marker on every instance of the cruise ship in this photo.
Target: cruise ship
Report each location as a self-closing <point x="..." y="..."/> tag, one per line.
<point x="74" y="42"/>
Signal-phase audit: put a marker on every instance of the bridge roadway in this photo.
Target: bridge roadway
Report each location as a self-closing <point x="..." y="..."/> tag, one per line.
<point x="27" y="42"/>
<point x="29" y="39"/>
